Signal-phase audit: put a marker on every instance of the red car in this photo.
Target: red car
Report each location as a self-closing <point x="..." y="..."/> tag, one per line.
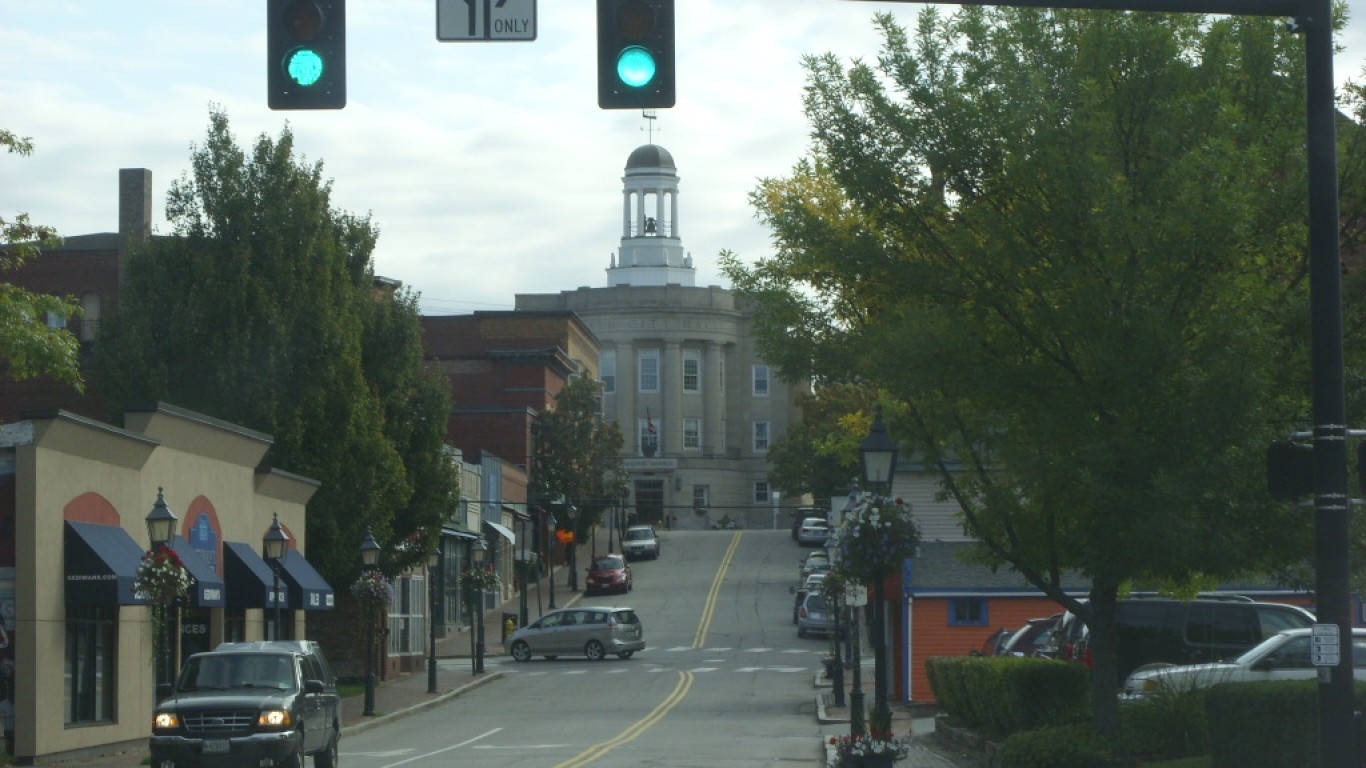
<point x="608" y="573"/>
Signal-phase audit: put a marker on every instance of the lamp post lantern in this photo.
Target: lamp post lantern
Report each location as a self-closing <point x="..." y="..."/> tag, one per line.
<point x="877" y="453"/>
<point x="477" y="557"/>
<point x="369" y="557"/>
<point x="161" y="524"/>
<point x="274" y="545"/>
<point x="433" y="564"/>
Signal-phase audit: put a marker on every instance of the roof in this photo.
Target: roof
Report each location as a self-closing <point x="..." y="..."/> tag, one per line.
<point x="650" y="156"/>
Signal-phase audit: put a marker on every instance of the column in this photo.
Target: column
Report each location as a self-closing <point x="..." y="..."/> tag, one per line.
<point x="671" y="381"/>
<point x="626" y="397"/>
<point x="625" y="214"/>
<point x="713" y="401"/>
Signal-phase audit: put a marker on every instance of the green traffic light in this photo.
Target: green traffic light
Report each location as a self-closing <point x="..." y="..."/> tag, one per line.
<point x="636" y="66"/>
<point x="304" y="66"/>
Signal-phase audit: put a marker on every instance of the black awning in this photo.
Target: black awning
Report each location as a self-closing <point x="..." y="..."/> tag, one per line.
<point x="101" y="565"/>
<point x="207" y="591"/>
<point x="249" y="579"/>
<point x="309" y="591"/>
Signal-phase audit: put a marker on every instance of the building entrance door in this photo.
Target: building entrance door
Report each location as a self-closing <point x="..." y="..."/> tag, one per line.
<point x="649" y="502"/>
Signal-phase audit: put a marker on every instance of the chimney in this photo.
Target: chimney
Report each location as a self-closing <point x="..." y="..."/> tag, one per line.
<point x="135" y="211"/>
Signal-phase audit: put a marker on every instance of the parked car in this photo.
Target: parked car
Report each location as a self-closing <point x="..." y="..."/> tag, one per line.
<point x="800" y="514"/>
<point x="811" y="584"/>
<point x="814" y="616"/>
<point x="593" y="632"/>
<point x="1200" y="631"/>
<point x="814" y="532"/>
<point x="640" y="541"/>
<point x="608" y="573"/>
<point x="1286" y="655"/>
<point x="1032" y="638"/>
<point x="257" y="703"/>
<point x="993" y="644"/>
<point x="812" y="563"/>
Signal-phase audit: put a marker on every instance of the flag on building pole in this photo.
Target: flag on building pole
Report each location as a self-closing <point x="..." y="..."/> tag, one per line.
<point x="650" y="423"/>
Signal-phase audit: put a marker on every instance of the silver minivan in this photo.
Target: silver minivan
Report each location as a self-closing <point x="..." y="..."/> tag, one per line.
<point x="593" y="632"/>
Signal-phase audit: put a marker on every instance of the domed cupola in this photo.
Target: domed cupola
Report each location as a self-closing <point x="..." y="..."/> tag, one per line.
<point x="651" y="251"/>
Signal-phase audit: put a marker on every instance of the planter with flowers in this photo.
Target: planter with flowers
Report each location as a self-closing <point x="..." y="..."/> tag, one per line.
<point x="875" y="750"/>
<point x="481" y="579"/>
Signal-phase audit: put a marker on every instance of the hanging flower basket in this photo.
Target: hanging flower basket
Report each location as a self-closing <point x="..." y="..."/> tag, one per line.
<point x="373" y="588"/>
<point x="875" y="539"/>
<point x="162" y="578"/>
<point x="481" y="580"/>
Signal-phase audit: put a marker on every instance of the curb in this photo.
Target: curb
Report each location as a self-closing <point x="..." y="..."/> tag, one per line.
<point x="439" y="699"/>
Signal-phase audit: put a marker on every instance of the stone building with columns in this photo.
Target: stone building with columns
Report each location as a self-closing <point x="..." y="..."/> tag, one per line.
<point x="681" y="375"/>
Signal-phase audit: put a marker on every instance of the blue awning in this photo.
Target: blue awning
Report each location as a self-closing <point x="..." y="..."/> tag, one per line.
<point x="101" y="565"/>
<point x="207" y="591"/>
<point x="249" y="579"/>
<point x="309" y="591"/>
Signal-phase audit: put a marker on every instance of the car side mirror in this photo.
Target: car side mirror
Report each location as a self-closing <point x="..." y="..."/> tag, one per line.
<point x="313" y="686"/>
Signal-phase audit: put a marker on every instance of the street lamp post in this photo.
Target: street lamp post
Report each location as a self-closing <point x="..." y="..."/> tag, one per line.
<point x="274" y="545"/>
<point x="573" y="547"/>
<point x="877" y="453"/>
<point x="369" y="557"/>
<point x="161" y="523"/>
<point x="434" y="599"/>
<point x="836" y="674"/>
<point x="477" y="556"/>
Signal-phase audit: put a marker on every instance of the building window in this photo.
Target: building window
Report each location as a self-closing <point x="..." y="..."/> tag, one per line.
<point x="90" y="656"/>
<point x="607" y="371"/>
<point x="968" y="612"/>
<point x="55" y="320"/>
<point x="761" y="381"/>
<point x="761" y="437"/>
<point x="692" y="434"/>
<point x="701" y="496"/>
<point x="648" y="429"/>
<point x="649" y="370"/>
<point x="761" y="492"/>
<point x="90" y="317"/>
<point x="692" y="371"/>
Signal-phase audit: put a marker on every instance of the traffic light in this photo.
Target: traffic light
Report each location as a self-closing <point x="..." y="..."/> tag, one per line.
<point x="635" y="54"/>
<point x="306" y="50"/>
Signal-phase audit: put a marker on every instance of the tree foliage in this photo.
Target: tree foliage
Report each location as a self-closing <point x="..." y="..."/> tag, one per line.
<point x="30" y="346"/>
<point x="819" y="454"/>
<point x="261" y="310"/>
<point x="578" y="456"/>
<point x="1072" y="243"/>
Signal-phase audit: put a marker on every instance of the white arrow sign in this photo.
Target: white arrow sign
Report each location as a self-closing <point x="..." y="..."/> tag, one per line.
<point x="462" y="21"/>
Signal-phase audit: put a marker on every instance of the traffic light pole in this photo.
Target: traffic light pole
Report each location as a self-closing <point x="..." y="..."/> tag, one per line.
<point x="1332" y="529"/>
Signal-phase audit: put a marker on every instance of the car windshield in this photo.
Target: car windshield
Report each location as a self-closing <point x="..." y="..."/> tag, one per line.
<point x="223" y="671"/>
<point x="636" y="534"/>
<point x="608" y="564"/>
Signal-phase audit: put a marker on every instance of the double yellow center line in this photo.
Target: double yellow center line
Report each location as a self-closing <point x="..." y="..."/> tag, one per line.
<point x="685" y="679"/>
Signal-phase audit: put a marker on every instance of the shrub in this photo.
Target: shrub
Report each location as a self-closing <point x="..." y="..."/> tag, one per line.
<point x="1070" y="746"/>
<point x="1002" y="695"/>
<point x="1171" y="723"/>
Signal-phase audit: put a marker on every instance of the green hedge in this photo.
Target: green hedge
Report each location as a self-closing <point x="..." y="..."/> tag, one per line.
<point x="1001" y="695"/>
<point x="1269" y="724"/>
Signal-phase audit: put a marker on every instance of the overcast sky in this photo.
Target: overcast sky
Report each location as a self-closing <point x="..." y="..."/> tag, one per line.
<point x="488" y="166"/>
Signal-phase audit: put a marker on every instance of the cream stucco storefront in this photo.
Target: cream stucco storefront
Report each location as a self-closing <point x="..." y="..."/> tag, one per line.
<point x="74" y="497"/>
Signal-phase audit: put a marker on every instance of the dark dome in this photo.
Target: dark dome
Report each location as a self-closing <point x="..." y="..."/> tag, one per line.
<point x="650" y="156"/>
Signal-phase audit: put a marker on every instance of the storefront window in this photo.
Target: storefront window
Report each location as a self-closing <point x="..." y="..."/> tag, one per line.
<point x="90" y="654"/>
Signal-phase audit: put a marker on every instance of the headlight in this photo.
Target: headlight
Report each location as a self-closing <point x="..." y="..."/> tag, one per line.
<point x="165" y="721"/>
<point x="274" y="719"/>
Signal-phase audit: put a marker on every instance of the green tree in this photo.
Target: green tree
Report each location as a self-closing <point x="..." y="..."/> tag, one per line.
<point x="819" y="455"/>
<point x="578" y="456"/>
<point x="261" y="310"/>
<point x="29" y="345"/>
<point x="1072" y="244"/>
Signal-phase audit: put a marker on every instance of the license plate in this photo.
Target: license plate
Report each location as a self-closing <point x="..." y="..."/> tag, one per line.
<point x="215" y="746"/>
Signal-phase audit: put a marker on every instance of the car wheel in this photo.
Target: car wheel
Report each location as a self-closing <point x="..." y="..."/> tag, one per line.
<point x="328" y="757"/>
<point x="521" y="651"/>
<point x="594" y="651"/>
<point x="625" y="654"/>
